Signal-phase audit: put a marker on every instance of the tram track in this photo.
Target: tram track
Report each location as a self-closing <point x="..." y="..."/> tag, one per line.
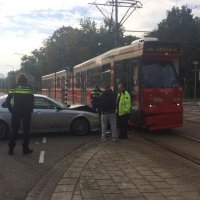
<point x="187" y="148"/>
<point x="189" y="137"/>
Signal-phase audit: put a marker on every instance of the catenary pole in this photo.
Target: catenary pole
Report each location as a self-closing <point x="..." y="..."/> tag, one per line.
<point x="116" y="23"/>
<point x="130" y="4"/>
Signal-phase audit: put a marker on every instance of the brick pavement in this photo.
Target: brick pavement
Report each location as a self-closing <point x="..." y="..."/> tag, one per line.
<point x="117" y="171"/>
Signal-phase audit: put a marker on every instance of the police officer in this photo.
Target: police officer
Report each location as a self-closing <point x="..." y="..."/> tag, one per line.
<point x="123" y="110"/>
<point x="21" y="110"/>
<point x="95" y="94"/>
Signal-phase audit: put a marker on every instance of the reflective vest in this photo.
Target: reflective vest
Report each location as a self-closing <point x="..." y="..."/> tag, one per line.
<point x="21" y="90"/>
<point x="124" y="103"/>
<point x="23" y="99"/>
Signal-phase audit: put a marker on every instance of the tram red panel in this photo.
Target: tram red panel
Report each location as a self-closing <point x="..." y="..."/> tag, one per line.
<point x="164" y="121"/>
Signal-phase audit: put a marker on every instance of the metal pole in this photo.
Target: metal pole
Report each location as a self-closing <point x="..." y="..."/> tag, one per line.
<point x="58" y="63"/>
<point x="55" y="85"/>
<point x="13" y="78"/>
<point x="116" y="23"/>
<point x="195" y="81"/>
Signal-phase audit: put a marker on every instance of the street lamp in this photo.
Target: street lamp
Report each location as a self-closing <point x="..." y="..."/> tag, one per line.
<point x="58" y="63"/>
<point x="58" y="48"/>
<point x="195" y="79"/>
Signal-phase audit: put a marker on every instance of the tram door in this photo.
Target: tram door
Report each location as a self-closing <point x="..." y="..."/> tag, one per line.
<point x="127" y="72"/>
<point x="123" y="74"/>
<point x="83" y="88"/>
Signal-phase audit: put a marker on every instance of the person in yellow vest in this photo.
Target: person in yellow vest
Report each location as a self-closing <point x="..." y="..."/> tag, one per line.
<point x="21" y="110"/>
<point x="95" y="94"/>
<point x="123" y="110"/>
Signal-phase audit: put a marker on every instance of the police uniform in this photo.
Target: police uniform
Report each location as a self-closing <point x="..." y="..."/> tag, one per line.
<point x="21" y="110"/>
<point x="123" y="110"/>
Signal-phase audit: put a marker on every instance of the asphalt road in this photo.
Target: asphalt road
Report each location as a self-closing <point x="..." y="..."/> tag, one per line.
<point x="19" y="173"/>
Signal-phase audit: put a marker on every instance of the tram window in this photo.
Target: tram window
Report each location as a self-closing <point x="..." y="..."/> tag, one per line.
<point x="58" y="82"/>
<point x="96" y="78"/>
<point x="159" y="75"/>
<point x="125" y="73"/>
<point x="134" y="83"/>
<point x="106" y="75"/>
<point x="89" y="78"/>
<point x="62" y="82"/>
<point x="118" y="74"/>
<point x="78" y="80"/>
<point x="51" y="83"/>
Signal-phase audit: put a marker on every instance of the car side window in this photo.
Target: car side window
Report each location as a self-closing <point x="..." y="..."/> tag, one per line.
<point x="42" y="103"/>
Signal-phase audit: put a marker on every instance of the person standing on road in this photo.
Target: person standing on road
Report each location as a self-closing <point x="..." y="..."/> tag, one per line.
<point x="95" y="94"/>
<point x="123" y="110"/>
<point x="21" y="110"/>
<point x="108" y="107"/>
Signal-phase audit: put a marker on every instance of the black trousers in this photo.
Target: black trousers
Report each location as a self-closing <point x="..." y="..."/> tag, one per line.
<point x="17" y="118"/>
<point x="122" y="123"/>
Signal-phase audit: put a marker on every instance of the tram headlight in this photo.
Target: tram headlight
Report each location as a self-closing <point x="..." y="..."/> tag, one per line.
<point x="176" y="101"/>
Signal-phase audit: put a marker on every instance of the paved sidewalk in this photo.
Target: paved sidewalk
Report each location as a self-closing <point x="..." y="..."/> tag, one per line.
<point x="119" y="171"/>
<point x="114" y="171"/>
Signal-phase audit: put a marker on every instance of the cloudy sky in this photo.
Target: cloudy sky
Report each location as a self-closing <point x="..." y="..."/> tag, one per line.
<point x="25" y="24"/>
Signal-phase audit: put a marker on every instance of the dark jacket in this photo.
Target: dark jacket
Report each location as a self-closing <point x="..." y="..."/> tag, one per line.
<point x="107" y="102"/>
<point x="95" y="94"/>
<point x="23" y="100"/>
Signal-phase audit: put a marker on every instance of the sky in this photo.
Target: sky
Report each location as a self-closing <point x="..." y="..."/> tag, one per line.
<point x="25" y="24"/>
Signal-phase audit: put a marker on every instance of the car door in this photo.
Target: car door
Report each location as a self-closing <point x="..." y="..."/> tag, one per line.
<point x="47" y="116"/>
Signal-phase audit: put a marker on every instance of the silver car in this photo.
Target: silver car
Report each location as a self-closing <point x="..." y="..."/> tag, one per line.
<point x="52" y="116"/>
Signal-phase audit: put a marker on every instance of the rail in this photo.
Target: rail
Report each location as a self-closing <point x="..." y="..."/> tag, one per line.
<point x="186" y="147"/>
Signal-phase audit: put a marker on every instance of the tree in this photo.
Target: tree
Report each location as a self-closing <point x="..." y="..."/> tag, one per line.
<point x="70" y="46"/>
<point x="181" y="26"/>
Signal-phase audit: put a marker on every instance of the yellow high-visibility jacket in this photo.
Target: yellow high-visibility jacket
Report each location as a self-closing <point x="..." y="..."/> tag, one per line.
<point x="124" y="103"/>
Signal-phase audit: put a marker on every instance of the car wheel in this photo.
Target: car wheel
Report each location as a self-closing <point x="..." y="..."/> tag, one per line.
<point x="3" y="130"/>
<point x="80" y="126"/>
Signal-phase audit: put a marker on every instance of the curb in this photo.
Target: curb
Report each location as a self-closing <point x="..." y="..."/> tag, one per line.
<point x="44" y="189"/>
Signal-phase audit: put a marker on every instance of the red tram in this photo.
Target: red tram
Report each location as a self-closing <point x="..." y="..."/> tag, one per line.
<point x="52" y="88"/>
<point x="149" y="68"/>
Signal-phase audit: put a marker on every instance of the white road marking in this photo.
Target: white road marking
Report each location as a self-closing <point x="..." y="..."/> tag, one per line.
<point x="188" y="115"/>
<point x="192" y="113"/>
<point x="44" y="140"/>
<point x="41" y="158"/>
<point x="193" y="118"/>
<point x="195" y="111"/>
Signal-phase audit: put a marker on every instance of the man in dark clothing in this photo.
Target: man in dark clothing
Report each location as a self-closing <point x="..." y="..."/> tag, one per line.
<point x="123" y="110"/>
<point x="22" y="108"/>
<point x="108" y="107"/>
<point x="95" y="94"/>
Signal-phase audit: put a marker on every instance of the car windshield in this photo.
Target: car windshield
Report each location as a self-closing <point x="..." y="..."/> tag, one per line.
<point x="63" y="106"/>
<point x="159" y="75"/>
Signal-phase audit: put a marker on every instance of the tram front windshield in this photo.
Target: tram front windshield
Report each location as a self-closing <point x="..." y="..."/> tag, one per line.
<point x="159" y="75"/>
